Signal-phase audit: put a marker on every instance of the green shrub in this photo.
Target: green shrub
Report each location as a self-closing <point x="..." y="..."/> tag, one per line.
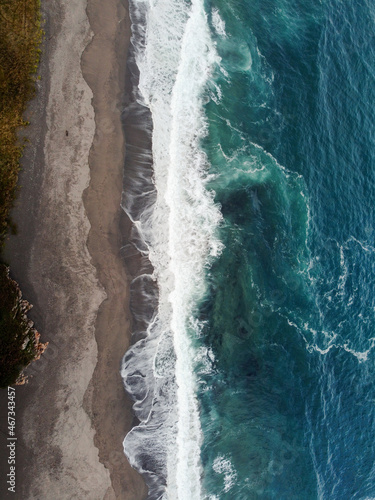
<point x="19" y="341"/>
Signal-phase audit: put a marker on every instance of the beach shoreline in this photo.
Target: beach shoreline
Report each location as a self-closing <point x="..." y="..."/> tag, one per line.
<point x="73" y="414"/>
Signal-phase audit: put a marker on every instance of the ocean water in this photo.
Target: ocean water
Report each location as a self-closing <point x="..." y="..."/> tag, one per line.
<point x="253" y="376"/>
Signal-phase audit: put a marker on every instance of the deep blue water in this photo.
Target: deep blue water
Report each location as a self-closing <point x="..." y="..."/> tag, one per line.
<point x="288" y="408"/>
<point x="256" y="379"/>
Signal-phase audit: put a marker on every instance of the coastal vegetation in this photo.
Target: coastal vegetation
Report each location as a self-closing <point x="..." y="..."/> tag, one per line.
<point x="20" y="37"/>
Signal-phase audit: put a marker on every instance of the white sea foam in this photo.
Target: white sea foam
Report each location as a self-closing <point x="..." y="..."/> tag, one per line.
<point x="175" y="56"/>
<point x="223" y="465"/>
<point x="218" y="23"/>
<point x="332" y="341"/>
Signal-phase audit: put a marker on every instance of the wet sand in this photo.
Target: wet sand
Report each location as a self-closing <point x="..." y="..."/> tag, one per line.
<point x="73" y="414"/>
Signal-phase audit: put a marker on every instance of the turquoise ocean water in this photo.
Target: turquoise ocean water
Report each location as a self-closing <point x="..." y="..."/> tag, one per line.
<point x="256" y="378"/>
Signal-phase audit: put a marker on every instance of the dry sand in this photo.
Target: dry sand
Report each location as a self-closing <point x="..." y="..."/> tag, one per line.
<point x="73" y="415"/>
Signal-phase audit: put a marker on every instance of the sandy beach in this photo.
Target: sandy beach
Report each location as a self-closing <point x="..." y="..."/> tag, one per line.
<point x="73" y="414"/>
